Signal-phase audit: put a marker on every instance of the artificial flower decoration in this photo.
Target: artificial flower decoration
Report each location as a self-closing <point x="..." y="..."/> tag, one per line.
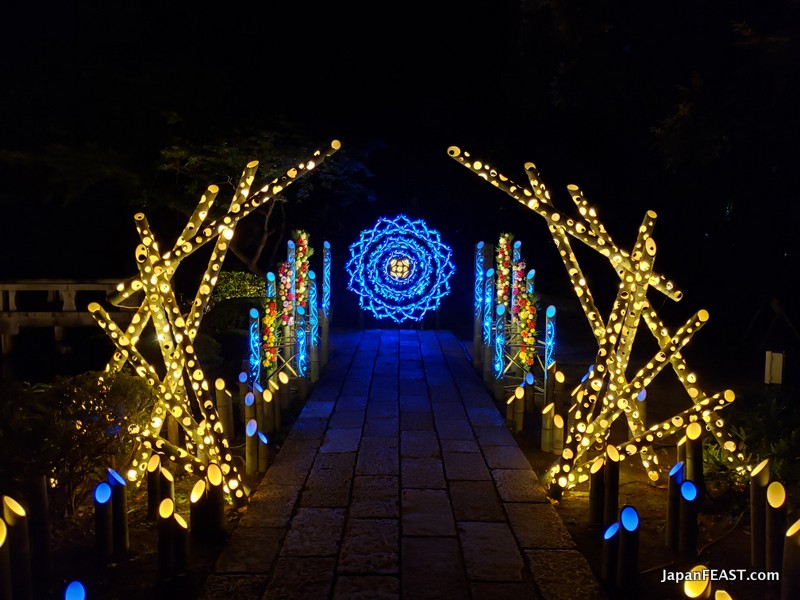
<point x="503" y="269"/>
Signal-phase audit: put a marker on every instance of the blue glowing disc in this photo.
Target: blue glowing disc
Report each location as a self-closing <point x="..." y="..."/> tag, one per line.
<point x="400" y="269"/>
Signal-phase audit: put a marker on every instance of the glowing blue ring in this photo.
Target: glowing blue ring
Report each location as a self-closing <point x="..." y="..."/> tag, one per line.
<point x="386" y="295"/>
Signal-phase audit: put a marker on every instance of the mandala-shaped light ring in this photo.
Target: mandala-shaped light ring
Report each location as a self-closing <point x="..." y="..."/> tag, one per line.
<point x="400" y="269"/>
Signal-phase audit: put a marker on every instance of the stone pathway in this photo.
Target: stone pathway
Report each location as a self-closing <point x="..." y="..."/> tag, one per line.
<point x="400" y="479"/>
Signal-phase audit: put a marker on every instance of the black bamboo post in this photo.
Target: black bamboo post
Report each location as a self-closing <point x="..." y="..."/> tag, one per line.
<point x="166" y="485"/>
<point x="611" y="486"/>
<point x="608" y="564"/>
<point x="5" y="563"/>
<point x="19" y="548"/>
<point x="103" y="532"/>
<point x="153" y="486"/>
<point x="181" y="552"/>
<point x="38" y="505"/>
<point x="693" y="467"/>
<point x="628" y="559"/>
<point x="166" y="539"/>
<point x="790" y="566"/>
<point x="119" y="514"/>
<point x="687" y="530"/>
<point x="198" y="509"/>
<point x="596" y="491"/>
<point x="215" y="495"/>
<point x="775" y="526"/>
<point x="759" y="480"/>
<point x="673" y="506"/>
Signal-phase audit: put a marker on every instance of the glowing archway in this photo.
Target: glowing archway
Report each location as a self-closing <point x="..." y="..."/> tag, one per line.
<point x="400" y="269"/>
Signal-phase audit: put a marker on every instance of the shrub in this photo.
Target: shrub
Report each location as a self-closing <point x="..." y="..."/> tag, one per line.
<point x="72" y="431"/>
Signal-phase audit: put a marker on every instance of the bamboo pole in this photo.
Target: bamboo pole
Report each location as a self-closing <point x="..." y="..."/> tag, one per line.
<point x="548" y="412"/>
<point x="19" y="549"/>
<point x="166" y="540"/>
<point x="103" y="537"/>
<point x="694" y="460"/>
<point x="775" y="526"/>
<point x="6" y="592"/>
<point x="610" y="554"/>
<point x="790" y="566"/>
<point x="673" y="506"/>
<point x="215" y="494"/>
<point x="687" y="530"/>
<point x="759" y="480"/>
<point x="153" y="486"/>
<point x="611" y="485"/>
<point x="558" y="434"/>
<point x="596" y="491"/>
<point x="224" y="402"/>
<point x="119" y="514"/>
<point x="628" y="561"/>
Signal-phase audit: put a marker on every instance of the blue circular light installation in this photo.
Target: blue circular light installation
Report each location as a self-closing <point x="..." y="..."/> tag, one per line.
<point x="400" y="269"/>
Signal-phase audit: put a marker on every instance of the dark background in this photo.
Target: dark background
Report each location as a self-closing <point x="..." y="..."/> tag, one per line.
<point x="685" y="108"/>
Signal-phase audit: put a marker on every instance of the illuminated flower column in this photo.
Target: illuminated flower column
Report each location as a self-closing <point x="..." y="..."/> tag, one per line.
<point x="608" y="392"/>
<point x="182" y="390"/>
<point x="400" y="269"/>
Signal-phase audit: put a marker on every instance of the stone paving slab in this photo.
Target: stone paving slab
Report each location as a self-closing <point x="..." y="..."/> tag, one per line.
<point x="400" y="479"/>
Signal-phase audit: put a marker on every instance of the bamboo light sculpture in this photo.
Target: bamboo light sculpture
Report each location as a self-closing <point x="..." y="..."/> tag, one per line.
<point x="183" y="390"/>
<point x="610" y="393"/>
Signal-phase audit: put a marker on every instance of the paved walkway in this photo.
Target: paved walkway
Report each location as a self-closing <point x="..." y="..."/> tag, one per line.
<point x="400" y="479"/>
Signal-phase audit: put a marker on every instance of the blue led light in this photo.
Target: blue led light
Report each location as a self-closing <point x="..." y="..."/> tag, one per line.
<point x="75" y="591"/>
<point x="326" y="278"/>
<point x="400" y="269"/>
<point x="263" y="438"/>
<point x="479" y="280"/>
<point x="629" y="518"/>
<point x="499" y="341"/>
<point x="677" y="471"/>
<point x="549" y="335"/>
<point x="255" y="346"/>
<point x="313" y="312"/>
<point x="302" y="342"/>
<point x="688" y="491"/>
<point x="251" y="428"/>
<point x="611" y="531"/>
<point x="488" y="302"/>
<point x="102" y="493"/>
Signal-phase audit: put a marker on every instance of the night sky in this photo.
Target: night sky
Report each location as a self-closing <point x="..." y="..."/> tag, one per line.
<point x="685" y="108"/>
